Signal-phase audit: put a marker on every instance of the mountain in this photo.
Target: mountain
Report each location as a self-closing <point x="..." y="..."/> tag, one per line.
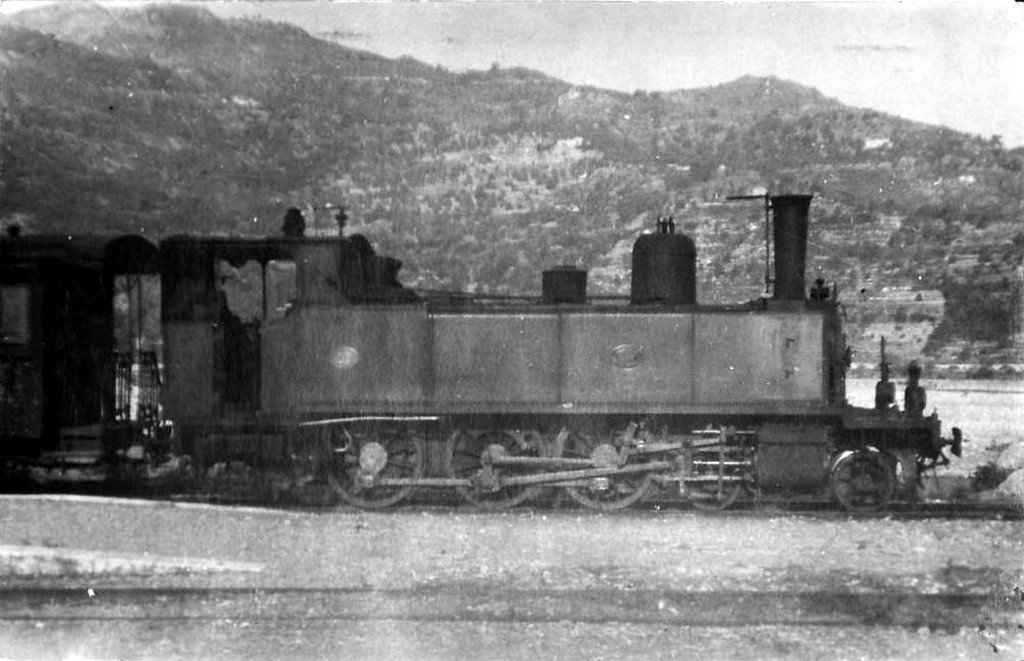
<point x="167" y="119"/>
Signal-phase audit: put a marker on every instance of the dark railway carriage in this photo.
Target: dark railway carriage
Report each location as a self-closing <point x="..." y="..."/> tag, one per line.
<point x="305" y="363"/>
<point x="79" y="342"/>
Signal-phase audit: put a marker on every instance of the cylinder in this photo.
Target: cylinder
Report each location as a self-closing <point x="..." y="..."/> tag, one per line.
<point x="789" y="232"/>
<point x="664" y="269"/>
<point x="564" y="284"/>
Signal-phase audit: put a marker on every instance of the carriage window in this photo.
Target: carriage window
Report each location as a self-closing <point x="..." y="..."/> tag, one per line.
<point x="137" y="312"/>
<point x="137" y="346"/>
<point x="282" y="288"/>
<point x="14" y="314"/>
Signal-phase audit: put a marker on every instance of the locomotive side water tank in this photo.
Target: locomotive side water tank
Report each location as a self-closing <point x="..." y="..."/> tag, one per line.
<point x="664" y="268"/>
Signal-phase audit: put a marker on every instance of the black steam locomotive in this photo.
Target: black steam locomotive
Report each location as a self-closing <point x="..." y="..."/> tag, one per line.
<point x="300" y="366"/>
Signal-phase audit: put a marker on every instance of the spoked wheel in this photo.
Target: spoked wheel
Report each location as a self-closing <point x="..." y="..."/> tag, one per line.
<point x="862" y="481"/>
<point x="375" y="455"/>
<point x="606" y="494"/>
<point x="465" y="458"/>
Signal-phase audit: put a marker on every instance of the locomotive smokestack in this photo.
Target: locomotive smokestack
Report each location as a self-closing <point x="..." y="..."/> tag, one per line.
<point x="789" y="231"/>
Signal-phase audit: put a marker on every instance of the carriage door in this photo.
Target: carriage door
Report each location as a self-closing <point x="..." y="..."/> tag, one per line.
<point x="240" y="292"/>
<point x="21" y="418"/>
<point x="138" y="348"/>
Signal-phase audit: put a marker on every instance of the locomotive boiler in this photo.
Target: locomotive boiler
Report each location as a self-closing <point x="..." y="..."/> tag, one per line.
<point x="301" y="366"/>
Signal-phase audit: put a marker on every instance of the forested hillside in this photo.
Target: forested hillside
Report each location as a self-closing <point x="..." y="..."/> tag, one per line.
<point x="166" y="119"/>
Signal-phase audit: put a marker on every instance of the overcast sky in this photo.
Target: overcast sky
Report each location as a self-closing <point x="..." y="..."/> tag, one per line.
<point x="954" y="63"/>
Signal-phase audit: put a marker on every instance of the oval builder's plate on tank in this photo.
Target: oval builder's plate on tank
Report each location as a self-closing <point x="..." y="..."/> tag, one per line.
<point x="345" y="357"/>
<point x="627" y="356"/>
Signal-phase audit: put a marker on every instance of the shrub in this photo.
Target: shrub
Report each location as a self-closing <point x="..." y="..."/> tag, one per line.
<point x="988" y="476"/>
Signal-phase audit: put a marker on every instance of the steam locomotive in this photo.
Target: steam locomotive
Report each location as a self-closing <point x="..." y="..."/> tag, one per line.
<point x="301" y="367"/>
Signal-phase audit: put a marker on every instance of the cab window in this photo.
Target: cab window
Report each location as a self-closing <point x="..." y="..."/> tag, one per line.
<point x="282" y="288"/>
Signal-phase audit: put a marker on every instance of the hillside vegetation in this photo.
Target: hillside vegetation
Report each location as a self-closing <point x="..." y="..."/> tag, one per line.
<point x="166" y="119"/>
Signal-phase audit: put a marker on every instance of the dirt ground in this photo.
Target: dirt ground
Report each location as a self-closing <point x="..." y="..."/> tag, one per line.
<point x="668" y="549"/>
<point x="528" y="552"/>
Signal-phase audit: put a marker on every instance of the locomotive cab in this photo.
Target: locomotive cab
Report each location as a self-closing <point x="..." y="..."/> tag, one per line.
<point x="218" y="293"/>
<point x="225" y="301"/>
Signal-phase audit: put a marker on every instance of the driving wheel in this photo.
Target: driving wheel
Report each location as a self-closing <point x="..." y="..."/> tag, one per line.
<point x="467" y="459"/>
<point x="373" y="456"/>
<point x="614" y="492"/>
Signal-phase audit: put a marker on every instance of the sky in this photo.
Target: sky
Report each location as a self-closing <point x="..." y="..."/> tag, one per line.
<point x="957" y="64"/>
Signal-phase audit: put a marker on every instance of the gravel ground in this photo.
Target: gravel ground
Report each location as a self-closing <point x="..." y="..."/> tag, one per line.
<point x="518" y="551"/>
<point x="419" y="641"/>
<point x="674" y="550"/>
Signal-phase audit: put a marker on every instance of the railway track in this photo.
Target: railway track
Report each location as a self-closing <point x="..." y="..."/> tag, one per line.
<point x="953" y="510"/>
<point x="948" y="510"/>
<point x="949" y="611"/>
